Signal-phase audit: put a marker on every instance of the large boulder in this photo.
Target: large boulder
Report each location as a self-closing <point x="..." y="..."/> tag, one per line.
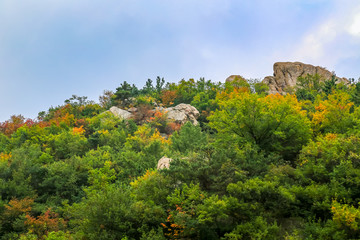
<point x="121" y="113"/>
<point x="287" y="73"/>
<point x="183" y="113"/>
<point x="164" y="162"/>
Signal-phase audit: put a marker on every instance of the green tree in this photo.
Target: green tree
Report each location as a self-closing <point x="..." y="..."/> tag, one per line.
<point x="160" y="83"/>
<point x="188" y="139"/>
<point x="275" y="123"/>
<point x="329" y="85"/>
<point x="309" y="86"/>
<point x="355" y="93"/>
<point x="104" y="214"/>
<point x="124" y="93"/>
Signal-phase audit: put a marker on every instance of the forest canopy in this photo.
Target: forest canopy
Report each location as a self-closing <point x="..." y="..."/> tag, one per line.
<point x="257" y="166"/>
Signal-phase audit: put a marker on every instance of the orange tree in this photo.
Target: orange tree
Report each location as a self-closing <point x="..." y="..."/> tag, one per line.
<point x="274" y="123"/>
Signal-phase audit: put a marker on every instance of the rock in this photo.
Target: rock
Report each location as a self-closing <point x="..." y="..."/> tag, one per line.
<point x="118" y="112"/>
<point x="158" y="109"/>
<point x="183" y="113"/>
<point x="164" y="162"/>
<point x="132" y="109"/>
<point x="234" y="77"/>
<point x="287" y="73"/>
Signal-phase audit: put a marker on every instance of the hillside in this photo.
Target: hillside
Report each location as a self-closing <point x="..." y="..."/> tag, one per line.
<point x="236" y="163"/>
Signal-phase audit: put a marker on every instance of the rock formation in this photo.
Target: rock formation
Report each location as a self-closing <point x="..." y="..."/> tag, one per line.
<point x="183" y="113"/>
<point x="118" y="112"/>
<point x="164" y="162"/>
<point x="287" y="73"/>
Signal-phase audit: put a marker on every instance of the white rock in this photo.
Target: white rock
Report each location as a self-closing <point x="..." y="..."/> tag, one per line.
<point x="118" y="112"/>
<point x="183" y="113"/>
<point x="164" y="162"/>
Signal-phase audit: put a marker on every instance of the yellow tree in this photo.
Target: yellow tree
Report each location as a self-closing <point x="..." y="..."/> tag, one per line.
<point x="333" y="114"/>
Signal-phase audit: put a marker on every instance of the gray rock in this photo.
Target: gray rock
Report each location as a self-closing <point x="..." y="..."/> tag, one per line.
<point x="287" y="73"/>
<point x="121" y="113"/>
<point x="164" y="162"/>
<point x="132" y="109"/>
<point x="159" y="109"/>
<point x="183" y="113"/>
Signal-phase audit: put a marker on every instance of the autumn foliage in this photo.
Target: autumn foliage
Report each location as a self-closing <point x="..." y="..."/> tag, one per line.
<point x="168" y="97"/>
<point x="45" y="223"/>
<point x="17" y="207"/>
<point x="16" y="121"/>
<point x="257" y="166"/>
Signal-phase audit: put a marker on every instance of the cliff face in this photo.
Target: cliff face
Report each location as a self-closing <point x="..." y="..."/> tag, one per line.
<point x="287" y="73"/>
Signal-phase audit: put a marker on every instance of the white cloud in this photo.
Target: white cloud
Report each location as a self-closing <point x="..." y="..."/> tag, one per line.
<point x="354" y="28"/>
<point x="332" y="40"/>
<point x="314" y="44"/>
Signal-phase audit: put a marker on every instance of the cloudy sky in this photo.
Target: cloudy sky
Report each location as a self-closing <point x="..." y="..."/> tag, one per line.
<point x="51" y="49"/>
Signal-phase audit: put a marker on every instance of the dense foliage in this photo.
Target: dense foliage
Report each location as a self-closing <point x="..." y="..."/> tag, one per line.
<point x="257" y="166"/>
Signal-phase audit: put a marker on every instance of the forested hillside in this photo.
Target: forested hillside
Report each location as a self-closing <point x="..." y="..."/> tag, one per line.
<point x="257" y="166"/>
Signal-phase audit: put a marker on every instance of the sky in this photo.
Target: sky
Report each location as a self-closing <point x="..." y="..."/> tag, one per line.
<point x="52" y="49"/>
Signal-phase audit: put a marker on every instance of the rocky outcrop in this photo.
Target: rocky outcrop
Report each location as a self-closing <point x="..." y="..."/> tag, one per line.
<point x="183" y="113"/>
<point x="164" y="162"/>
<point x="287" y="73"/>
<point x="118" y="112"/>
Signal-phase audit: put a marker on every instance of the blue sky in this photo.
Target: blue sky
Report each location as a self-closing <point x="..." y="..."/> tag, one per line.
<point x="51" y="49"/>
